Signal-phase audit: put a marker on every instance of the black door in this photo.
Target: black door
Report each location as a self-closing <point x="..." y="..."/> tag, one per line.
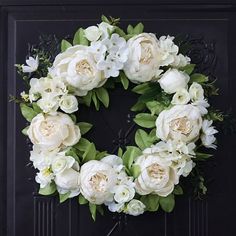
<point x="209" y="27"/>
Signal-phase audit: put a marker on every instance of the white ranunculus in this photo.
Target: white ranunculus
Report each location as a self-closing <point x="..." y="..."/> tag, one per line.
<point x="173" y="80"/>
<point x="92" y="33"/>
<point x="106" y="30"/>
<point x="196" y="92"/>
<point x="50" y="132"/>
<point x="181" y="97"/>
<point x="142" y="64"/>
<point x="77" y="67"/>
<point x="181" y="122"/>
<point x="208" y="138"/>
<point x="97" y="181"/>
<point x="49" y="104"/>
<point x="180" y="61"/>
<point x="135" y="208"/>
<point x="46" y="86"/>
<point x="123" y="193"/>
<point x="167" y="50"/>
<point x="32" y="65"/>
<point x="68" y="103"/>
<point x="44" y="177"/>
<point x="157" y="176"/>
<point x="68" y="178"/>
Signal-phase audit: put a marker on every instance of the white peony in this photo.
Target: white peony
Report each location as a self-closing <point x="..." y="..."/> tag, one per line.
<point x="181" y="97"/>
<point x="32" y="65"/>
<point x="67" y="177"/>
<point x="208" y="138"/>
<point x="173" y="80"/>
<point x="68" y="103"/>
<point x="196" y="92"/>
<point x="167" y="50"/>
<point x="44" y="177"/>
<point x="97" y="181"/>
<point x="181" y="122"/>
<point x="157" y="175"/>
<point x="77" y="67"/>
<point x="92" y="33"/>
<point x="51" y="132"/>
<point x="142" y="64"/>
<point x="135" y="208"/>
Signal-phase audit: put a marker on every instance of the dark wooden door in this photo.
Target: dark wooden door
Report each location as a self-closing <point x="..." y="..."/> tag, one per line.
<point x="209" y="25"/>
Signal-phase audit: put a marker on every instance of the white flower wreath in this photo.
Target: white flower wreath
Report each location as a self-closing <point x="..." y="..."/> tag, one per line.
<point x="172" y="107"/>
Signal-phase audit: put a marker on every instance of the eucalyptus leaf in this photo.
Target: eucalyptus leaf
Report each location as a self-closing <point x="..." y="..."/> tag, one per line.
<point x="167" y="203"/>
<point x="145" y="120"/>
<point x="64" y="45"/>
<point x="84" y="127"/>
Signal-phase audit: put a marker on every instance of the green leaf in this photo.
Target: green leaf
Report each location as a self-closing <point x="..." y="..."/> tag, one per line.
<point x="124" y="80"/>
<point x="48" y="190"/>
<point x="36" y="107"/>
<point x="130" y="154"/>
<point x="64" y="197"/>
<point x="24" y="131"/>
<point x="135" y="171"/>
<point x="64" y="45"/>
<point x="95" y="101"/>
<point x="153" y="136"/>
<point x="93" y="210"/>
<point x="73" y="153"/>
<point x="79" y="38"/>
<point x="82" y="200"/>
<point x="202" y="156"/>
<point x="100" y="155"/>
<point x="198" y="78"/>
<point x="178" y="190"/>
<point x="73" y="117"/>
<point x="100" y="209"/>
<point x="142" y="139"/>
<point x="87" y="99"/>
<point x="28" y="112"/>
<point x="130" y="29"/>
<point x="82" y="145"/>
<point x="155" y="107"/>
<point x="151" y="202"/>
<point x="105" y="19"/>
<point x="214" y="115"/>
<point x="141" y="88"/>
<point x="84" y="127"/>
<point x="103" y="96"/>
<point x="120" y="152"/>
<point x="138" y="106"/>
<point x="90" y="153"/>
<point x="119" y="31"/>
<point x="167" y="203"/>
<point x="188" y="68"/>
<point x="145" y="120"/>
<point x="138" y="29"/>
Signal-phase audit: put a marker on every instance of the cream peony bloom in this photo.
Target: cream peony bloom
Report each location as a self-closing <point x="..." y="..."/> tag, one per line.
<point x="135" y="208"/>
<point x="181" y="122"/>
<point x="97" y="181"/>
<point x="78" y="67"/>
<point x="51" y="132"/>
<point x="157" y="176"/>
<point x="173" y="80"/>
<point x="68" y="104"/>
<point x="142" y="64"/>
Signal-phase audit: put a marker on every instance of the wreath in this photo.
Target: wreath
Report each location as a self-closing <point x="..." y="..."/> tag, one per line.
<point x="172" y="112"/>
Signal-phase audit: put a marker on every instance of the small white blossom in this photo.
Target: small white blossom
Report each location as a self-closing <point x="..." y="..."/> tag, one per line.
<point x="32" y="65"/>
<point x="208" y="138"/>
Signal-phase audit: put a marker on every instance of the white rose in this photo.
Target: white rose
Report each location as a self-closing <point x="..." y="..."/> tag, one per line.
<point x="77" y="67"/>
<point x="97" y="181"/>
<point x="92" y="33"/>
<point x="181" y="97"/>
<point x="167" y="50"/>
<point x="68" y="104"/>
<point x="173" y="80"/>
<point x="62" y="162"/>
<point x="142" y="64"/>
<point x="181" y="122"/>
<point x="68" y="180"/>
<point x="208" y="138"/>
<point x="196" y="92"/>
<point x="123" y="193"/>
<point x="157" y="176"/>
<point x="135" y="208"/>
<point x="50" y="132"/>
<point x="44" y="177"/>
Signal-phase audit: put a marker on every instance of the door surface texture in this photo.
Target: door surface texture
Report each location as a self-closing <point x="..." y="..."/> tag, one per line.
<point x="210" y="28"/>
